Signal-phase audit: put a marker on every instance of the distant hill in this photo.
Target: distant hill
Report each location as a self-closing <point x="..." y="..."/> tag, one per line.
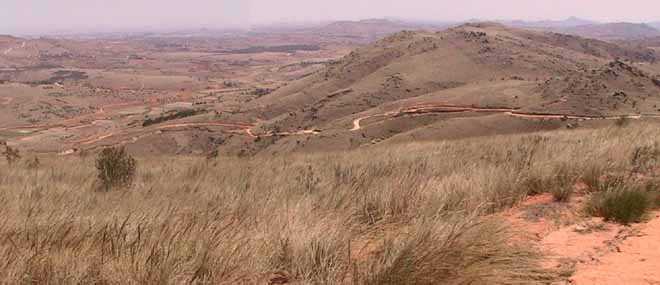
<point x="355" y="32"/>
<point x="655" y="25"/>
<point x="570" y="22"/>
<point x="372" y="29"/>
<point x="613" y="31"/>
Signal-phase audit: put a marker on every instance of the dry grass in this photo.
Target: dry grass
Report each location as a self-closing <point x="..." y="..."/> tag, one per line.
<point x="408" y="214"/>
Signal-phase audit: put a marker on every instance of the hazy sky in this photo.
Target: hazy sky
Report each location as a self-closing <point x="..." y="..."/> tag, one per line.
<point x="44" y="16"/>
<point x="36" y="16"/>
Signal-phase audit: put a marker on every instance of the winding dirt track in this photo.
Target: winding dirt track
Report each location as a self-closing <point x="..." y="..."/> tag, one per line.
<point x="447" y="108"/>
<point x="240" y="128"/>
<point x="7" y="51"/>
<point x="98" y="138"/>
<point x="246" y="128"/>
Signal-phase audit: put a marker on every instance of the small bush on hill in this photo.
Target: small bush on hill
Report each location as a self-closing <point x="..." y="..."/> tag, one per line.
<point x="622" y="121"/>
<point x="33" y="163"/>
<point x="620" y="202"/>
<point x="116" y="168"/>
<point x="11" y="154"/>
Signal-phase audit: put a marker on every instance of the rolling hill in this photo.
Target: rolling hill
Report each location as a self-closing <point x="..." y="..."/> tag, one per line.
<point x="459" y="76"/>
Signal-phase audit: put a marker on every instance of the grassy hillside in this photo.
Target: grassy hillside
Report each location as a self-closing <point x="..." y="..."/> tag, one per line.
<point x="481" y="66"/>
<point x="420" y="213"/>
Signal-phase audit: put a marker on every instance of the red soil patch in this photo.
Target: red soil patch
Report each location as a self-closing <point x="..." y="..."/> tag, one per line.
<point x="636" y="260"/>
<point x="597" y="252"/>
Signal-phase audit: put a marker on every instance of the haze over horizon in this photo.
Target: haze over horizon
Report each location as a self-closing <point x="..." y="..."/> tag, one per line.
<point x="66" y="16"/>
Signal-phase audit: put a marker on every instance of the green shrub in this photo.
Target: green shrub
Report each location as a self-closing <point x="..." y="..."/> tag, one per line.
<point x="622" y="205"/>
<point x="116" y="168"/>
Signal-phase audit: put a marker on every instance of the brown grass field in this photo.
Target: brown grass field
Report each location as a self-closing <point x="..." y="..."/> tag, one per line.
<point x="414" y="213"/>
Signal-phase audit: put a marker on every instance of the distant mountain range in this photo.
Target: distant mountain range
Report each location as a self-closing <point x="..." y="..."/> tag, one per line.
<point x="370" y="30"/>
<point x="655" y="25"/>
<point x="613" y="31"/>
<point x="592" y="29"/>
<point x="570" y="22"/>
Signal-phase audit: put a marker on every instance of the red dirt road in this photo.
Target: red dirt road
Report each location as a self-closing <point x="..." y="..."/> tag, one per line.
<point x="448" y="108"/>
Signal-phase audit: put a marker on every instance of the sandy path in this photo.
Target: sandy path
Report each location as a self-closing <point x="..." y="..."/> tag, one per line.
<point x="356" y="122"/>
<point x="95" y="139"/>
<point x="599" y="252"/>
<point x="635" y="261"/>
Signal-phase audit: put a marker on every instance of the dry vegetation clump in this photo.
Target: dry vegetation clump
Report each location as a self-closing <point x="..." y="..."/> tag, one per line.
<point x="620" y="205"/>
<point x="115" y="168"/>
<point x="626" y="199"/>
<point x="12" y="155"/>
<point x="562" y="183"/>
<point x="645" y="158"/>
<point x="622" y="121"/>
<point x="407" y="214"/>
<point x="623" y="200"/>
